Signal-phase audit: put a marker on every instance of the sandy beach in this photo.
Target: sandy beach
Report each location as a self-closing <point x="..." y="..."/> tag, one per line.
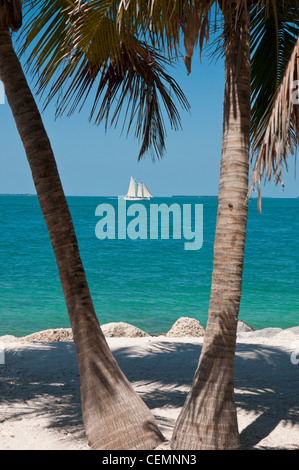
<point x="40" y="397"/>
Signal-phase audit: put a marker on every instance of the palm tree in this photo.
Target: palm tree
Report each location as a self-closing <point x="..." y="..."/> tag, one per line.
<point x="209" y="414"/>
<point x="115" y="417"/>
<point x="208" y="419"/>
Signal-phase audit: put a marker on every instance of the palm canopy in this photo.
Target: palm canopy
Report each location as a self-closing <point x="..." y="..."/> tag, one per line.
<point x="275" y="114"/>
<point x="76" y="49"/>
<point x="274" y="28"/>
<point x="118" y="48"/>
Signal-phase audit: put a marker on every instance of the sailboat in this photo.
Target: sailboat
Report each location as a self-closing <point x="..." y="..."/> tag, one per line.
<point x="142" y="192"/>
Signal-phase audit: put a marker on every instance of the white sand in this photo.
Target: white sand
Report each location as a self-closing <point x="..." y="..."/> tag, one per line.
<point x="40" y="398"/>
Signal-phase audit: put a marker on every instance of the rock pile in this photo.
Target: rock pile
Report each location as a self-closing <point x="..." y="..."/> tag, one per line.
<point x="183" y="327"/>
<point x="57" y="334"/>
<point x="121" y="329"/>
<point x="186" y="326"/>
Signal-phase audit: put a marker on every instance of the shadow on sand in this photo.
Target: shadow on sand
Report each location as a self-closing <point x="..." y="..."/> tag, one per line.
<point x="43" y="379"/>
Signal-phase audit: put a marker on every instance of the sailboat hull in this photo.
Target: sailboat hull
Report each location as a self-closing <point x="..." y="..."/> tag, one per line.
<point x="128" y="198"/>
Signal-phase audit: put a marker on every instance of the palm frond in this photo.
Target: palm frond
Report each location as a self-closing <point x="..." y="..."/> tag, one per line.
<point x="277" y="136"/>
<point x="164" y="23"/>
<point x="84" y="47"/>
<point x="77" y="54"/>
<point x="274" y="32"/>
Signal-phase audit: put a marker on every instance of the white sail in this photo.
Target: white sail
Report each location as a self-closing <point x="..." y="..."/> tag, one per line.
<point x="140" y="192"/>
<point x="146" y="192"/>
<point x="132" y="188"/>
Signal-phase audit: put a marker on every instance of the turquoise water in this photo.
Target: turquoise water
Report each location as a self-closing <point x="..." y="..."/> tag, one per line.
<point x="148" y="283"/>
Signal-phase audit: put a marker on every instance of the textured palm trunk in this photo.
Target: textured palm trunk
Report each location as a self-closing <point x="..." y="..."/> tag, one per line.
<point x="114" y="416"/>
<point x="208" y="419"/>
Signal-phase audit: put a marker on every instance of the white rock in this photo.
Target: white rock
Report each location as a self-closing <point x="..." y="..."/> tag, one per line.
<point x="186" y="326"/>
<point x="9" y="339"/>
<point x="121" y="329"/>
<point x="264" y="333"/>
<point x="51" y="335"/>
<point x="243" y="327"/>
<point x="294" y="330"/>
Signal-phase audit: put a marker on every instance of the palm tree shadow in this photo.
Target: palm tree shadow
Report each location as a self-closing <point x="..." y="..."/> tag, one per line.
<point x="265" y="382"/>
<point x="41" y="381"/>
<point x="46" y="377"/>
<point x="167" y="368"/>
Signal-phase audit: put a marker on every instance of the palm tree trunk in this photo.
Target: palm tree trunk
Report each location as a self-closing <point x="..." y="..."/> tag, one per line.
<point x="114" y="416"/>
<point x="208" y="419"/>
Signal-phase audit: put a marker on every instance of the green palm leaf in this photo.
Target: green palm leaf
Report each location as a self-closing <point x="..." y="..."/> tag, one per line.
<point x="77" y="52"/>
<point x="274" y="121"/>
<point x="273" y="36"/>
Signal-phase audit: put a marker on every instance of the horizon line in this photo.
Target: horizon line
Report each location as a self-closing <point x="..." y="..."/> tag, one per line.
<point x="171" y="196"/>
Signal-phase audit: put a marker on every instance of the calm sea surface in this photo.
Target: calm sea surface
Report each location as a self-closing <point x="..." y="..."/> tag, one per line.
<point x="148" y="283"/>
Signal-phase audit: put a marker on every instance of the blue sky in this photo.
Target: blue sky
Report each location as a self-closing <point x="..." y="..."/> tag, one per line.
<point x="94" y="163"/>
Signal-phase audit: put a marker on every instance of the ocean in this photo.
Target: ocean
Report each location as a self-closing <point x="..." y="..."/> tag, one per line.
<point x="149" y="283"/>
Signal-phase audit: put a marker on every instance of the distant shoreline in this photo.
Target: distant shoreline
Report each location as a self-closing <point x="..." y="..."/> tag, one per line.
<point x="155" y="197"/>
<point x="21" y="194"/>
